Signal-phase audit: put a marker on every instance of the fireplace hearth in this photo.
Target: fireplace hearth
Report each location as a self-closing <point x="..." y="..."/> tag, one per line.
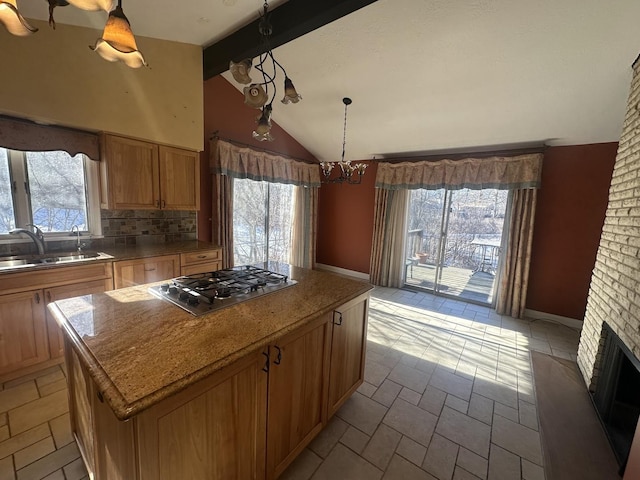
<point x="617" y="394"/>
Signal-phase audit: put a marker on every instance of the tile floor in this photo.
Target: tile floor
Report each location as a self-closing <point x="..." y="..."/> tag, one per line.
<point x="448" y="394"/>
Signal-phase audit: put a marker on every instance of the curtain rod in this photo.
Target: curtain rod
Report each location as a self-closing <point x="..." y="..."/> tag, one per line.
<point x="463" y="155"/>
<point x="242" y="144"/>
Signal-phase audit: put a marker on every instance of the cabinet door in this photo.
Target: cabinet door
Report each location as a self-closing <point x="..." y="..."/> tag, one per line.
<point x="128" y="273"/>
<point x="297" y="386"/>
<point x="179" y="179"/>
<point x="56" y="339"/>
<point x="214" y="430"/>
<point x="348" y="345"/>
<point x="132" y="171"/>
<point x="23" y="331"/>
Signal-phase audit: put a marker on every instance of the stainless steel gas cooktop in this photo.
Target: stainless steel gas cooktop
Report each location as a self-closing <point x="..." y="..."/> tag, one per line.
<point x="206" y="292"/>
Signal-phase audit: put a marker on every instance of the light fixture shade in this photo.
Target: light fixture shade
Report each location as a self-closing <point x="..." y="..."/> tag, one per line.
<point x="240" y="70"/>
<point x="117" y="42"/>
<point x="92" y="5"/>
<point x="290" y="94"/>
<point x="262" y="131"/>
<point x="14" y="22"/>
<point x="255" y="96"/>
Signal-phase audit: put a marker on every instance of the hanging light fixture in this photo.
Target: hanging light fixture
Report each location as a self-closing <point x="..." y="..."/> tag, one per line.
<point x="12" y="20"/>
<point x="346" y="169"/>
<point x="90" y="5"/>
<point x="261" y="94"/>
<point x="117" y="42"/>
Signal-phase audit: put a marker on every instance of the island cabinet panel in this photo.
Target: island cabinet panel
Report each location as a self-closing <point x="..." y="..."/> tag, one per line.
<point x="215" y="430"/>
<point x="348" y="344"/>
<point x="23" y="330"/>
<point x="297" y="390"/>
<point x="128" y="273"/>
<point x="200" y="261"/>
<point x="56" y="338"/>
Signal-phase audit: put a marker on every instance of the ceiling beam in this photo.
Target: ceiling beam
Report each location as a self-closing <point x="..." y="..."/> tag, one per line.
<point x="290" y="21"/>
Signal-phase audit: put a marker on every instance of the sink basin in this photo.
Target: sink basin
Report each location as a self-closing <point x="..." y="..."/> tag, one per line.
<point x="47" y="259"/>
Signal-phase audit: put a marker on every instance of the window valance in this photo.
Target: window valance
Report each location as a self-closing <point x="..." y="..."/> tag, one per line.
<point x="29" y="137"/>
<point x="244" y="162"/>
<point x="501" y="173"/>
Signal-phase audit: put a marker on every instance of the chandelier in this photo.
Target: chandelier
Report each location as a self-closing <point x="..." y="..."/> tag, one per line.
<point x="346" y="170"/>
<point x="260" y="95"/>
<point x="116" y="44"/>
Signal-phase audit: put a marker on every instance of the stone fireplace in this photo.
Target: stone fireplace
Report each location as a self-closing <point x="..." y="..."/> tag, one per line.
<point x="614" y="295"/>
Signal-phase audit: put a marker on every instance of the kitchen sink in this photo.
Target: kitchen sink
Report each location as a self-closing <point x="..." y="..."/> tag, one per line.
<point x="20" y="261"/>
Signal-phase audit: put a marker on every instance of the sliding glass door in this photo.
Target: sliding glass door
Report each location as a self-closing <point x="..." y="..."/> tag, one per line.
<point x="454" y="241"/>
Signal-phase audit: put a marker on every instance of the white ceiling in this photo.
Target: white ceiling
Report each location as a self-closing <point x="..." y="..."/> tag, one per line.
<point x="431" y="75"/>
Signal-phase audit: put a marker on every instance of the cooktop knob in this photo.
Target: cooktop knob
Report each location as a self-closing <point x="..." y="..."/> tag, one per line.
<point x="173" y="290"/>
<point x="164" y="287"/>
<point x="193" y="301"/>
<point x="183" y="296"/>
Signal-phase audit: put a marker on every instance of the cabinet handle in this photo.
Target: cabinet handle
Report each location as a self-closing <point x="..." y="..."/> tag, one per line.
<point x="150" y="269"/>
<point x="164" y="204"/>
<point x="100" y="397"/>
<point x="279" y="358"/>
<point x="157" y="203"/>
<point x="339" y="322"/>
<point x="266" y="363"/>
<point x="49" y="296"/>
<point x="37" y="297"/>
<point x="202" y="256"/>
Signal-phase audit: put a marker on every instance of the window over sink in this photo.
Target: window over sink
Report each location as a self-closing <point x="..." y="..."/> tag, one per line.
<point x="51" y="190"/>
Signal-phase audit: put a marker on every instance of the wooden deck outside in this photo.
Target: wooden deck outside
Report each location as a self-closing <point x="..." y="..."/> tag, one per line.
<point x="457" y="282"/>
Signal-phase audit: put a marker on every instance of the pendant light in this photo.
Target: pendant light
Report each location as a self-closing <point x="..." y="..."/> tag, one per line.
<point x="117" y="42"/>
<point x="92" y="5"/>
<point x="346" y="169"/>
<point x="12" y="20"/>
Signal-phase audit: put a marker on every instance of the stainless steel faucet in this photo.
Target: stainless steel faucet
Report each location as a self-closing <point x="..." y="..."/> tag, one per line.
<point x="77" y="230"/>
<point x="37" y="237"/>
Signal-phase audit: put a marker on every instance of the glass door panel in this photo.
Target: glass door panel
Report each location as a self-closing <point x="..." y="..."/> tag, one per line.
<point x="468" y="247"/>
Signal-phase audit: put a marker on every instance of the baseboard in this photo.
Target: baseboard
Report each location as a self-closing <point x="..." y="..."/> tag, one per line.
<point x="343" y="271"/>
<point x="569" y="322"/>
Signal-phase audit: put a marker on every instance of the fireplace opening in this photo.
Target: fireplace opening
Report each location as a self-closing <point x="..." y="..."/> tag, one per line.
<point x="617" y="395"/>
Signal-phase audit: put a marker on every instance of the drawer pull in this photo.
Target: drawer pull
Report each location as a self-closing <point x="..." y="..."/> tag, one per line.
<point x="279" y="358"/>
<point x="202" y="256"/>
<point x="266" y="363"/>
<point x="37" y="297"/>
<point x="150" y="269"/>
<point x="339" y="322"/>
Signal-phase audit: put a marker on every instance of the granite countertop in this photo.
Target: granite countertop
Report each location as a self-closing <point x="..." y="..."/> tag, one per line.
<point x="140" y="350"/>
<point x="114" y="254"/>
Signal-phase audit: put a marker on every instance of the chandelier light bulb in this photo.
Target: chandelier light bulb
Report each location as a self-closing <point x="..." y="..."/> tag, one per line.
<point x="240" y="70"/>
<point x="255" y="96"/>
<point x="290" y="94"/>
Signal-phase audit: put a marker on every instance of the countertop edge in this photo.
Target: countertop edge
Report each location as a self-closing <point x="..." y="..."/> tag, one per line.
<point x="124" y="410"/>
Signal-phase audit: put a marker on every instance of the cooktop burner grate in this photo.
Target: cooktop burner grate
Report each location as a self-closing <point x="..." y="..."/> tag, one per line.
<point x="206" y="292"/>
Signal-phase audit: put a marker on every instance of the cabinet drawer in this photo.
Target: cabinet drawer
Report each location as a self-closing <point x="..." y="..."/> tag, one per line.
<point x="201" y="268"/>
<point x="200" y="257"/>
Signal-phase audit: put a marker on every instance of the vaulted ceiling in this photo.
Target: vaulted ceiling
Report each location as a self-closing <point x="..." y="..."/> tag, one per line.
<point x="430" y="75"/>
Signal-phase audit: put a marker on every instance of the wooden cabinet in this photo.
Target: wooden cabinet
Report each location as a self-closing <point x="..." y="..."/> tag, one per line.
<point x="348" y="345"/>
<point x="297" y="380"/>
<point x="128" y="273"/>
<point x="23" y="331"/>
<point x="28" y="334"/>
<point x="201" y="261"/>
<point x="56" y="339"/>
<point x="137" y="175"/>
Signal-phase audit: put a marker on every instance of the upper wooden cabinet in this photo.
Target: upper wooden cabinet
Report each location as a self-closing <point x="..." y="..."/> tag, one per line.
<point x="137" y="175"/>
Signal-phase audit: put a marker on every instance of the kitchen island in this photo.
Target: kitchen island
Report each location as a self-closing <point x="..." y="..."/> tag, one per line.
<point x="156" y="393"/>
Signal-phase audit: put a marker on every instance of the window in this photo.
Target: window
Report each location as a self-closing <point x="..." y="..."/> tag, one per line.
<point x="51" y="190"/>
<point x="262" y="219"/>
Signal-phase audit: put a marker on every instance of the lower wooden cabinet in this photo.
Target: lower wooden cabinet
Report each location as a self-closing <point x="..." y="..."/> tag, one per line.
<point x="248" y="421"/>
<point x="23" y="330"/>
<point x="200" y="262"/>
<point x="348" y="344"/>
<point x="297" y="379"/>
<point x="127" y="273"/>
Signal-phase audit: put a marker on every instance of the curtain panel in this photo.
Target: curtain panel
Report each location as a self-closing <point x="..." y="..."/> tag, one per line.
<point x="502" y="173"/>
<point x="222" y="217"/>
<point x="389" y="227"/>
<point x="243" y="162"/>
<point x="304" y="228"/>
<point x="29" y="137"/>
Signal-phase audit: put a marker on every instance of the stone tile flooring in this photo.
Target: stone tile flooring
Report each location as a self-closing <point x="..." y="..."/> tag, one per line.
<point x="448" y="394"/>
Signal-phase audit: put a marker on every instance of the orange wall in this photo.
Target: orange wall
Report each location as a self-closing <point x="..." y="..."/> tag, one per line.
<point x="225" y="111"/>
<point x="345" y="223"/>
<point x="569" y="218"/>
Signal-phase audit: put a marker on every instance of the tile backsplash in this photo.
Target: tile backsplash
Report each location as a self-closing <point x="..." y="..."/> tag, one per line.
<point x="125" y="227"/>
